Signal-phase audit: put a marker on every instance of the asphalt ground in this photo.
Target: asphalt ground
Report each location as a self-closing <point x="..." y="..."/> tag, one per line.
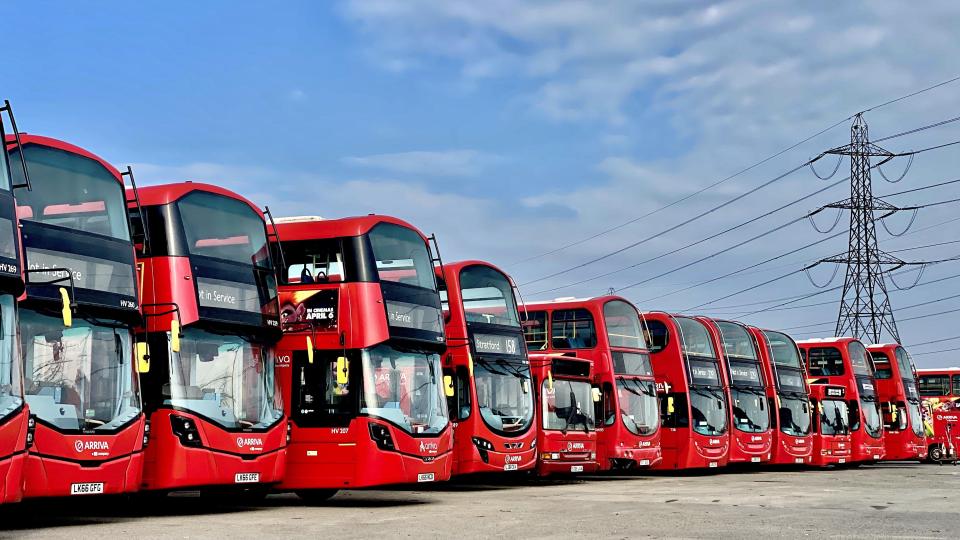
<point x="905" y="500"/>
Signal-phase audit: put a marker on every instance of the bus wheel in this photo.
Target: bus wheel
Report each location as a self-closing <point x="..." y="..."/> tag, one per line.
<point x="316" y="495"/>
<point x="936" y="453"/>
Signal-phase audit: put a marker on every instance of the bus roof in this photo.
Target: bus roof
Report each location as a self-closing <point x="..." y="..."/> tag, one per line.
<point x="570" y="302"/>
<point x="26" y="138"/>
<point x="160" y="194"/>
<point x="310" y="228"/>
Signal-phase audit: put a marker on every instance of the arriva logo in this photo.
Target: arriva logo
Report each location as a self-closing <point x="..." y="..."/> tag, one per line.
<point x="513" y="459"/>
<point x="249" y="441"/>
<point x="574" y="446"/>
<point x="431" y="447"/>
<point x="81" y="446"/>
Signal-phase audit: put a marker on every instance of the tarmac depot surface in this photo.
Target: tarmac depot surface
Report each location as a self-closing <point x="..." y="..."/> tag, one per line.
<point x="907" y="500"/>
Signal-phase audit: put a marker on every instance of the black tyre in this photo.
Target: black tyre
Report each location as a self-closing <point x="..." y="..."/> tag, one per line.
<point x="936" y="453"/>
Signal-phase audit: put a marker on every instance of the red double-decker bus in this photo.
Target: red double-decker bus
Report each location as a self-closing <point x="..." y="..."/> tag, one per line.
<point x="566" y="432"/>
<point x="492" y="406"/>
<point x="76" y="323"/>
<point x="14" y="413"/>
<point x="359" y="363"/>
<point x="903" y="436"/>
<point x="607" y="331"/>
<point x="831" y="438"/>
<point x="940" y="390"/>
<point x="694" y="402"/>
<point x="844" y="361"/>
<point x="211" y="325"/>
<point x="788" y="395"/>
<point x="750" y="412"/>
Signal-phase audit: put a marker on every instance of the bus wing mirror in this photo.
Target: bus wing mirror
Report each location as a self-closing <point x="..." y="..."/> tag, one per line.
<point x="448" y="385"/>
<point x="143" y="358"/>
<point x="66" y="312"/>
<point x="671" y="406"/>
<point x="309" y="350"/>
<point x="820" y="408"/>
<point x="343" y="370"/>
<point x="893" y="412"/>
<point x="596" y="394"/>
<point x="175" y="336"/>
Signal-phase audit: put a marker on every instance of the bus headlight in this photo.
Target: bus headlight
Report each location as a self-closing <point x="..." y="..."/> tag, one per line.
<point x="186" y="430"/>
<point x="381" y="435"/>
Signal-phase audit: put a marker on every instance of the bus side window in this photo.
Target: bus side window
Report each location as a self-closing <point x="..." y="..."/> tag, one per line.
<point x="773" y="416"/>
<point x="459" y="403"/>
<point x="678" y="418"/>
<point x="605" y="409"/>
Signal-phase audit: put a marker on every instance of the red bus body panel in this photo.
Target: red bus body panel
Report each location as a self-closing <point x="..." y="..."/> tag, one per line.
<point x="13" y="455"/>
<point x="572" y="452"/>
<point x="787" y="449"/>
<point x="346" y="457"/>
<point x="223" y="454"/>
<point x="615" y="443"/>
<point x="744" y="447"/>
<point x="941" y="410"/>
<point x="682" y="447"/>
<point x="902" y="444"/>
<point x="828" y="450"/>
<point x="517" y="453"/>
<point x="866" y="449"/>
<point x="57" y="459"/>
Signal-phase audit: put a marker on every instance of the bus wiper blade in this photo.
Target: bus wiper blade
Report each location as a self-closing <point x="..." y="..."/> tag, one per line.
<point x="514" y="370"/>
<point x="489" y="366"/>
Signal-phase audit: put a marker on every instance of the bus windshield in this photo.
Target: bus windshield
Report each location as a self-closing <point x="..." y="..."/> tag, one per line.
<point x="11" y="391"/>
<point x="487" y="297"/>
<point x="71" y="191"/>
<point x="695" y="339"/>
<point x="623" y="325"/>
<point x="833" y="417"/>
<point x="709" y="411"/>
<point x="223" y="228"/>
<point x="906" y="373"/>
<point x="638" y="405"/>
<point x="226" y="379"/>
<point x="916" y="421"/>
<point x="81" y="377"/>
<point x="737" y="343"/>
<point x="794" y="416"/>
<point x="404" y="388"/>
<point x="750" y="412"/>
<point x="783" y="351"/>
<point x="504" y="395"/>
<point x="402" y="256"/>
<point x="860" y="358"/>
<point x="569" y="406"/>
<point x="872" y="421"/>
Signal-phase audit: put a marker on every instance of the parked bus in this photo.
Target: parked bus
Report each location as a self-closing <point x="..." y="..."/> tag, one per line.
<point x="694" y="402"/>
<point x="788" y="396"/>
<point x="76" y="323"/>
<point x="940" y="391"/>
<point x="903" y="436"/>
<point x="14" y="413"/>
<point x="844" y="361"/>
<point x="607" y="331"/>
<point x="211" y="321"/>
<point x="831" y="437"/>
<point x="359" y="363"/>
<point x="567" y="431"/>
<point x="751" y="436"/>
<point x="492" y="407"/>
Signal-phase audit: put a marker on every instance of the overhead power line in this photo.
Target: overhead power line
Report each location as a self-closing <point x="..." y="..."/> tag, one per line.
<point x="741" y="171"/>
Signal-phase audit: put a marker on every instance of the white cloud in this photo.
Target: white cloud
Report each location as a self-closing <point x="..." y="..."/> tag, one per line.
<point x="427" y="163"/>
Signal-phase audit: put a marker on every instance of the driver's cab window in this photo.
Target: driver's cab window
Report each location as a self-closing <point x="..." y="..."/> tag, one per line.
<point x="318" y="399"/>
<point x="319" y="261"/>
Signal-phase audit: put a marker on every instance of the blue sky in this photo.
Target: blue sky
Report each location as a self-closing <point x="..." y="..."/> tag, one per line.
<point x="511" y="127"/>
